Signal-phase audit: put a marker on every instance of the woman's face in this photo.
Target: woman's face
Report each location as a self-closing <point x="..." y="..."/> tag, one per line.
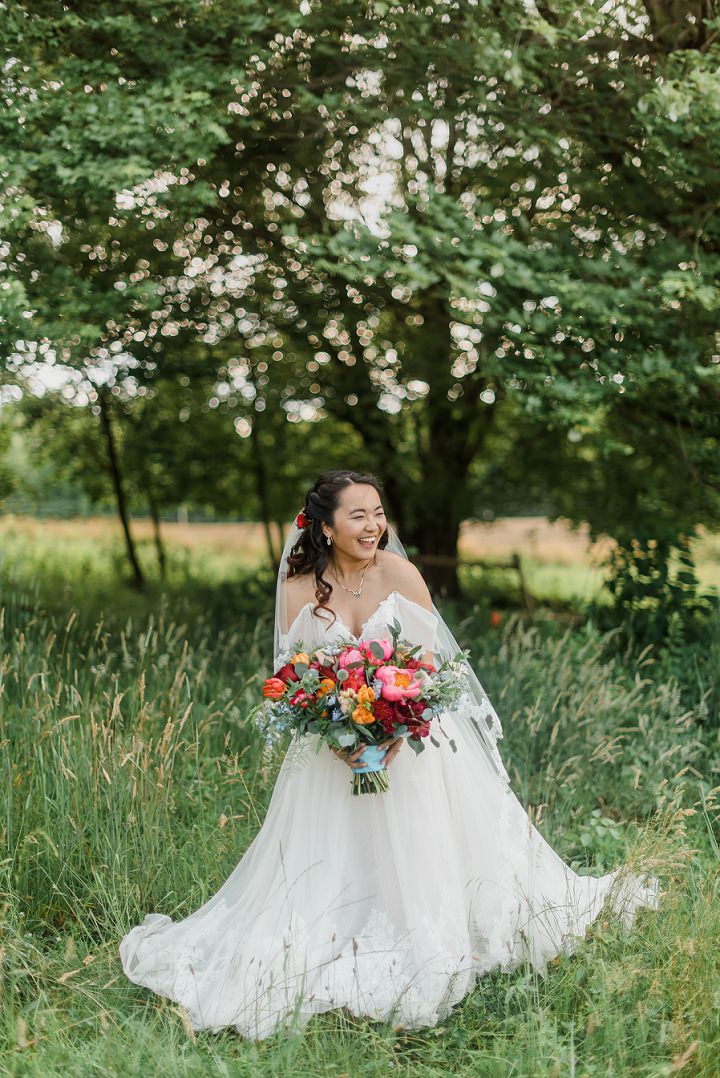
<point x="359" y="521"/>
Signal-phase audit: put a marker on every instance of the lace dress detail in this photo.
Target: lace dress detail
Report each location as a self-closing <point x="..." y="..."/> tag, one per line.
<point x="390" y="905"/>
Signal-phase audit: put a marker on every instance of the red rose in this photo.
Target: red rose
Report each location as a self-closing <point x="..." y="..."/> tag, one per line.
<point x="287" y="673"/>
<point x="301" y="520"/>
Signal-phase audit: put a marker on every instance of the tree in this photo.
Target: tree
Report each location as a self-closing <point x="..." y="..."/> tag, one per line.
<point x="548" y="238"/>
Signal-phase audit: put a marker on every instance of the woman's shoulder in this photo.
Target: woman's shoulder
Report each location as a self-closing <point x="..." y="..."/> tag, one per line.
<point x="406" y="578"/>
<point x="397" y="566"/>
<point x="300" y="591"/>
<point x="299" y="581"/>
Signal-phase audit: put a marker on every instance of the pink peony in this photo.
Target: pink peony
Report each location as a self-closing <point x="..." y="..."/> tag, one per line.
<point x="387" y="650"/>
<point x="397" y="684"/>
<point x="348" y="657"/>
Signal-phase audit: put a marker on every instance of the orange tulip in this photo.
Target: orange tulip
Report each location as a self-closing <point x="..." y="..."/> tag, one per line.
<point x="362" y="716"/>
<point x="273" y="688"/>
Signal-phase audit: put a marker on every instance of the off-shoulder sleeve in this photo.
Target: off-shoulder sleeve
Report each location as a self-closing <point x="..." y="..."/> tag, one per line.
<point x="419" y="625"/>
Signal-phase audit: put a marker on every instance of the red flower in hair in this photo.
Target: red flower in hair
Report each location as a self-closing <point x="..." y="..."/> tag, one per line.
<point x="301" y="520"/>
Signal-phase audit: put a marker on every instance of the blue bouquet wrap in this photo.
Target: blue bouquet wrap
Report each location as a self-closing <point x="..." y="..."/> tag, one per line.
<point x="371" y="759"/>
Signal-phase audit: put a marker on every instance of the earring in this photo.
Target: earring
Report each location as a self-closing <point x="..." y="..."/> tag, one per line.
<point x="329" y="541"/>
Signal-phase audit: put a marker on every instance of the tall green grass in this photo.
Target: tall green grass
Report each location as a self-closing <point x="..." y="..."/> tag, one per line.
<point x="133" y="781"/>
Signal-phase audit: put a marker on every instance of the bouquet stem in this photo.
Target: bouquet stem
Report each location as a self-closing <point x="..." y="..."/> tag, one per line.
<point x="370" y="782"/>
<point x="370" y="775"/>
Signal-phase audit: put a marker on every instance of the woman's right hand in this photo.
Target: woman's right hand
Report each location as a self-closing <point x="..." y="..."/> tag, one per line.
<point x="350" y="758"/>
<point x="391" y="746"/>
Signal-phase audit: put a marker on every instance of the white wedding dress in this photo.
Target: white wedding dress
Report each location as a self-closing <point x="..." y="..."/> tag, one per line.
<point x="389" y="904"/>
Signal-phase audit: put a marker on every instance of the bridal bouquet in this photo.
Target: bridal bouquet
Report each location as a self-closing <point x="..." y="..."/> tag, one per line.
<point x="360" y="694"/>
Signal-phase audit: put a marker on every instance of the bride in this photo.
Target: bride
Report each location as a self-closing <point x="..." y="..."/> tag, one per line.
<point x="389" y="904"/>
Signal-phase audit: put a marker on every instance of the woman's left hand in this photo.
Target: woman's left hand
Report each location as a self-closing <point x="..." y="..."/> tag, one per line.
<point x="393" y="748"/>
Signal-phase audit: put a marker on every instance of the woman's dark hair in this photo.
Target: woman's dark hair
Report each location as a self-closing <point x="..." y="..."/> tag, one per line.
<point x="311" y="553"/>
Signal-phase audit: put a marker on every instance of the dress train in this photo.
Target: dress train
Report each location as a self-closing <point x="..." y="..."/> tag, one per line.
<point x="390" y="904"/>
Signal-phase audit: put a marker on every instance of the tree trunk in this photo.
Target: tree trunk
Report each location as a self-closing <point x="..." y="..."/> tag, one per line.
<point x="157" y="534"/>
<point x="138" y="578"/>
<point x="261" y="486"/>
<point x="451" y="435"/>
<point x="681" y="24"/>
<point x="438" y="541"/>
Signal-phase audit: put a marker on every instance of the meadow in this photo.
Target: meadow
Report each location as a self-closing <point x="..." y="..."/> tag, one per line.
<point x="133" y="781"/>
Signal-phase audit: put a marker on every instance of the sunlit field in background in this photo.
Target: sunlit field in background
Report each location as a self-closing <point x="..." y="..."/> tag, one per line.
<point x="134" y="782"/>
<point x="560" y="564"/>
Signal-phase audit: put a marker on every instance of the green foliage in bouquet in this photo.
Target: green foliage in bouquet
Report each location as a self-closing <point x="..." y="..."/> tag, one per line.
<point x="350" y="694"/>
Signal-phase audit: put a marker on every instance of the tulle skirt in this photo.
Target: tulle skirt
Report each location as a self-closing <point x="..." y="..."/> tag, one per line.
<point x="389" y="904"/>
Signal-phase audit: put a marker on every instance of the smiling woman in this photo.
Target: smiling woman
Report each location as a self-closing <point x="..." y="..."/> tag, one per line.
<point x="344" y="537"/>
<point x="390" y="904"/>
<point x="342" y="552"/>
